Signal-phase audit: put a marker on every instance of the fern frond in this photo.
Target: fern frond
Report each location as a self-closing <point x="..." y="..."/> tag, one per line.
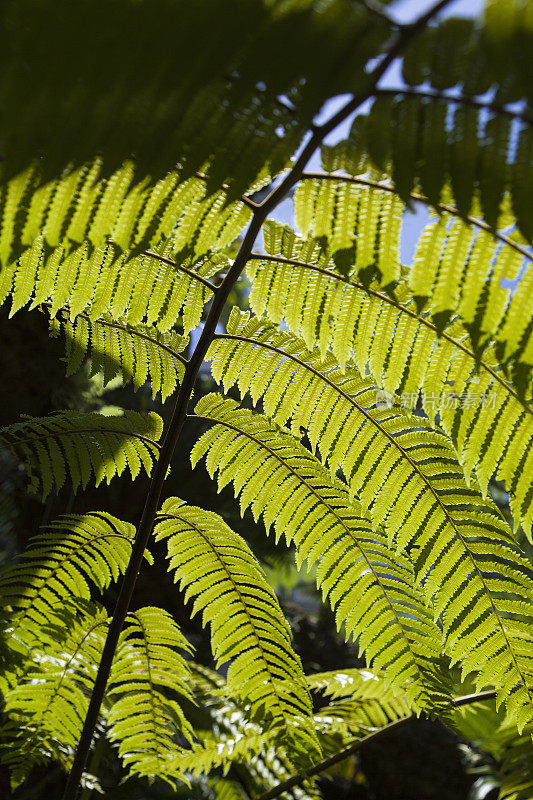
<point x="225" y="112"/>
<point x="148" y="666"/>
<point x="458" y="268"/>
<point x="82" y="444"/>
<point x="217" y="568"/>
<point x="150" y="288"/>
<point x="47" y="707"/>
<point x="70" y="555"/>
<point x="371" y="589"/>
<point x="136" y="352"/>
<point x="360" y="699"/>
<point x="489" y="422"/>
<point x="408" y="478"/>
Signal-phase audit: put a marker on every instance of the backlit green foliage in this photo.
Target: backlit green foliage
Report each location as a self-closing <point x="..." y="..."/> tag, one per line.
<point x="380" y="402"/>
<point x="80" y="445"/>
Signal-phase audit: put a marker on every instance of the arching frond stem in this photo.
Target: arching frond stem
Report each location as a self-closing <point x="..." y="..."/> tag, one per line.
<point x="354" y="747"/>
<point x="260" y="214"/>
<point x="460" y="99"/>
<point x="448" y="209"/>
<point x="385" y="298"/>
<point x="180" y="268"/>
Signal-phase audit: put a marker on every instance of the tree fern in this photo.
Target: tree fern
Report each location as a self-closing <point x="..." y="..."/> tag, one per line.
<point x="135" y="352"/>
<point x="143" y="720"/>
<point x="82" y="445"/>
<point x="216" y="567"/>
<point x="371" y="590"/>
<point x="407" y="477"/>
<point x="133" y="187"/>
<point x="489" y="421"/>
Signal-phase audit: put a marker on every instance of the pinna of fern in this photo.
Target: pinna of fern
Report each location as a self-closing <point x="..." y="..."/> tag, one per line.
<point x="391" y="455"/>
<point x="457" y="269"/>
<point x="406" y="354"/>
<point x="81" y="445"/>
<point x="72" y="555"/>
<point x="136" y="352"/>
<point x="247" y="628"/>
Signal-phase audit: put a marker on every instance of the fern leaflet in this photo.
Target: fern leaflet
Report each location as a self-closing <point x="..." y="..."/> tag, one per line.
<point x="136" y="352"/>
<point x="143" y="720"/>
<point x="217" y="568"/>
<point x="81" y="445"/>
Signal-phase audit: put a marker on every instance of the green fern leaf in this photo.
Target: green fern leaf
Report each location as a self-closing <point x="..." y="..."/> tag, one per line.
<point x="144" y="721"/>
<point x="47" y="707"/>
<point x="408" y="478"/>
<point x="82" y="444"/>
<point x="489" y="422"/>
<point x="371" y="589"/>
<point x="72" y="553"/>
<point x="216" y="567"/>
<point x="137" y="352"/>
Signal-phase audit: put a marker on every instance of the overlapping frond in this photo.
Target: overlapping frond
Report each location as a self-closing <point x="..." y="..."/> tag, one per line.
<point x="46" y="708"/>
<point x="150" y="288"/>
<point x="441" y="128"/>
<point x="460" y="268"/>
<point x="80" y="207"/>
<point x="218" y="569"/>
<point x="489" y="421"/>
<point x="82" y="444"/>
<point x="148" y="672"/>
<point x="226" y="109"/>
<point x="136" y="352"/>
<point x="361" y="699"/>
<point x="235" y="739"/>
<point x="72" y="554"/>
<point x="371" y="589"/>
<point x="407" y="477"/>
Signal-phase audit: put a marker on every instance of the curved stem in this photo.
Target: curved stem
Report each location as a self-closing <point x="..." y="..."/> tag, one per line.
<point x="403" y="309"/>
<point x="260" y="214"/>
<point x="461" y="99"/>
<point x="448" y="209"/>
<point x="350" y="749"/>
